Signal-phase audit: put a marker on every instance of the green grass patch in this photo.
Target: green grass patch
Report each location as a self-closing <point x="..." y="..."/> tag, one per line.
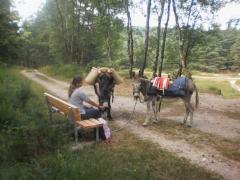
<point x="217" y="87"/>
<point x="64" y="71"/>
<point x="238" y="82"/>
<point x="125" y="158"/>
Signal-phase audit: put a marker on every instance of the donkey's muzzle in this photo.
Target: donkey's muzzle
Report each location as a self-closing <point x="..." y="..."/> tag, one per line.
<point x="136" y="96"/>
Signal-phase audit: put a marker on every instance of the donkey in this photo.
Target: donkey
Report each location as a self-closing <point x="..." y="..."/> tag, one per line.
<point x="142" y="86"/>
<point x="104" y="89"/>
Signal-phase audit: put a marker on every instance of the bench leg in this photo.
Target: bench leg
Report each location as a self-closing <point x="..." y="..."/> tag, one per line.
<point x="76" y="129"/>
<point x="97" y="134"/>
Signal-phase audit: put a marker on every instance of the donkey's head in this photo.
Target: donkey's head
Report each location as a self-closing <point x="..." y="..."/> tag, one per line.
<point x="140" y="84"/>
<point x="106" y="85"/>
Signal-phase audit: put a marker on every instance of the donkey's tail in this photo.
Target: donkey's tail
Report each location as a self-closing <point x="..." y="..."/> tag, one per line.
<point x="196" y="96"/>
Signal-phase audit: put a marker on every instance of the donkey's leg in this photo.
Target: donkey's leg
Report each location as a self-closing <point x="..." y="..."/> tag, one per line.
<point x="186" y="110"/>
<point x="147" y="114"/>
<point x="109" y="116"/>
<point x="191" y="109"/>
<point x="157" y="108"/>
<point x="154" y="107"/>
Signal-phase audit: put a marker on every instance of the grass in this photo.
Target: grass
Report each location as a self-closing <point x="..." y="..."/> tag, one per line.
<point x="125" y="158"/>
<point x="175" y="130"/>
<point x="217" y="87"/>
<point x="238" y="82"/>
<point x="63" y="71"/>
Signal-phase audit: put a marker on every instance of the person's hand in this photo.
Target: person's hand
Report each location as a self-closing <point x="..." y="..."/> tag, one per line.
<point x="101" y="107"/>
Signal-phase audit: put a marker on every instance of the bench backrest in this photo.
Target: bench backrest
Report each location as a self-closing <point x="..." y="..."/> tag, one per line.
<point x="64" y="107"/>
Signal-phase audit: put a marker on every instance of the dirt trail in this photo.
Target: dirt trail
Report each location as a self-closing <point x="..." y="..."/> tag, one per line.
<point x="209" y="118"/>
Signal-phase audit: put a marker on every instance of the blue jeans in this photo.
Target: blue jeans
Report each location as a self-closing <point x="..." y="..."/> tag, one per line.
<point x="91" y="113"/>
<point x="94" y="113"/>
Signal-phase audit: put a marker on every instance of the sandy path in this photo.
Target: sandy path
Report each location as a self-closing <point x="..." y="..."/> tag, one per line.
<point x="216" y="124"/>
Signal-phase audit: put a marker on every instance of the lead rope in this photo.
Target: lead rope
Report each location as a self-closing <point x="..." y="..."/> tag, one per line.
<point x="129" y="119"/>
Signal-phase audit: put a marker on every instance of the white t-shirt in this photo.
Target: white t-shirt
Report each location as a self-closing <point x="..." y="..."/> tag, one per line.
<point x="77" y="98"/>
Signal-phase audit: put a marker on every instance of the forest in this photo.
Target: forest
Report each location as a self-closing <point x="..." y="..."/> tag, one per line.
<point x="92" y="33"/>
<point x="67" y="38"/>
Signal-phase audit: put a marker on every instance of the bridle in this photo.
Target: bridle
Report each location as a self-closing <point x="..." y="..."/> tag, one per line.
<point x="137" y="92"/>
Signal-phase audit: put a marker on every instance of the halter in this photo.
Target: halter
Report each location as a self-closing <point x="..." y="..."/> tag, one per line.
<point x="137" y="92"/>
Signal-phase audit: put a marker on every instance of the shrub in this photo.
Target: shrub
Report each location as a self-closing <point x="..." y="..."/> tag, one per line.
<point x="215" y="90"/>
<point x="25" y="130"/>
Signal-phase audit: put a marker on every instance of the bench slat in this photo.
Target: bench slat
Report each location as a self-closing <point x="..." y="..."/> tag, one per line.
<point x="89" y="122"/>
<point x="86" y="125"/>
<point x="60" y="100"/>
<point x="96" y="121"/>
<point x="63" y="106"/>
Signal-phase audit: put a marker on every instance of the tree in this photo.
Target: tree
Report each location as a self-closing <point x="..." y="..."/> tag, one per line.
<point x="164" y="39"/>
<point x="182" y="60"/>
<point x="78" y="31"/>
<point x="8" y="33"/>
<point x="146" y="38"/>
<point x="158" y="37"/>
<point x="130" y="40"/>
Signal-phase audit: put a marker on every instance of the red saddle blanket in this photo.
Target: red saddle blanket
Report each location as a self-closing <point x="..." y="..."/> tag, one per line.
<point x="161" y="83"/>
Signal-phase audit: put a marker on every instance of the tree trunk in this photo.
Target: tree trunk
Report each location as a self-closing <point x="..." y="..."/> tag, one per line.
<point x="130" y="41"/>
<point x="186" y="29"/>
<point x="62" y="27"/>
<point x="158" y="37"/>
<point x="164" y="39"/>
<point x="108" y="41"/>
<point x="73" y="45"/>
<point x="146" y="38"/>
<point x="190" y="40"/>
<point x="182" y="60"/>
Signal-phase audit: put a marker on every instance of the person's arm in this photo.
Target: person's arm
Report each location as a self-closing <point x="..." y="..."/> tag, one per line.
<point x="85" y="98"/>
<point x="91" y="102"/>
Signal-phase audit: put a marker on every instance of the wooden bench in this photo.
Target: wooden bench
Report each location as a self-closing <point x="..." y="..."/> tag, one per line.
<point x="72" y="112"/>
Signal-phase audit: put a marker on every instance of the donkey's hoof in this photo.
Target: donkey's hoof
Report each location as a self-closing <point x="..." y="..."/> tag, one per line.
<point x="145" y="124"/>
<point x="110" y="118"/>
<point x="189" y="125"/>
<point x="155" y="121"/>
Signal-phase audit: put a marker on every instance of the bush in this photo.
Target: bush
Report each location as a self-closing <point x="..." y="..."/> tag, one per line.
<point x="215" y="90"/>
<point x="25" y="129"/>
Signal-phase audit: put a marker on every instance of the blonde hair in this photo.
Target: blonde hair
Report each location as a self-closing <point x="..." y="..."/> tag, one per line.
<point x="76" y="80"/>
